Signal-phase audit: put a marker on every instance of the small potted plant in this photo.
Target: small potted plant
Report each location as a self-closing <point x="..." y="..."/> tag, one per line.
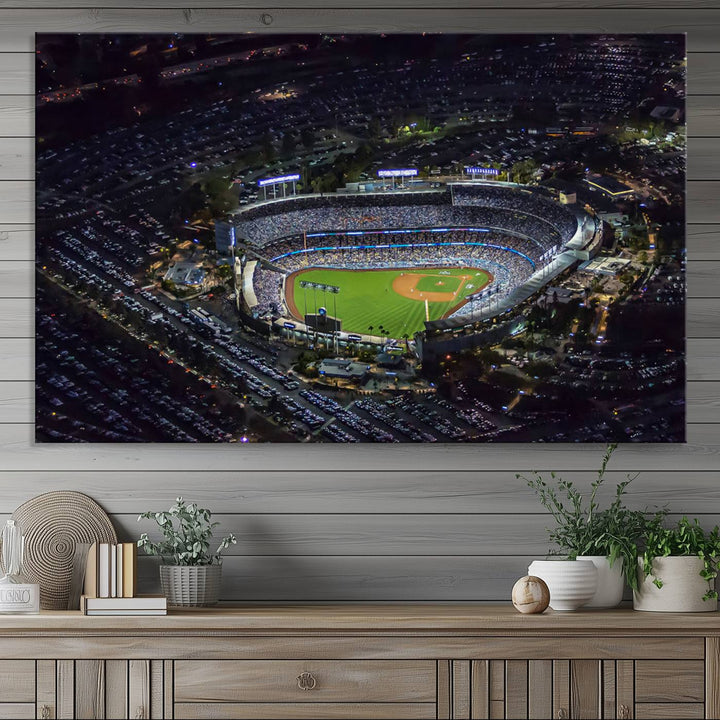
<point x="677" y="568"/>
<point x="583" y="530"/>
<point x="190" y="574"/>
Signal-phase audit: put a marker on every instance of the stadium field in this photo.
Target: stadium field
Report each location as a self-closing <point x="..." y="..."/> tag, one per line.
<point x="390" y="299"/>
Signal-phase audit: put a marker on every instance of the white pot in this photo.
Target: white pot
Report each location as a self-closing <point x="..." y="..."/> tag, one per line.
<point x="571" y="582"/>
<point x="682" y="589"/>
<point x="610" y="582"/>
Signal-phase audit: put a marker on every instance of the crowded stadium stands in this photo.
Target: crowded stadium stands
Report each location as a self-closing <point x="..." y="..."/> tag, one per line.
<point x="507" y="230"/>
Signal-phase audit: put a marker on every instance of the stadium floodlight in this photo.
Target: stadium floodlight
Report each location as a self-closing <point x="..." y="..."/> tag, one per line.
<point x="277" y="180"/>
<point x="474" y="170"/>
<point x="405" y="172"/>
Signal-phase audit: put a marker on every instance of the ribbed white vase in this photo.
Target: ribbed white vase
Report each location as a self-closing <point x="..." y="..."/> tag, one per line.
<point x="610" y="582"/>
<point x="682" y="589"/>
<point x="571" y="582"/>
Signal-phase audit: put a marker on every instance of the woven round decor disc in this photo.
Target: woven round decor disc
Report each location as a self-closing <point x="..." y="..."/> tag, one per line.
<point x="52" y="524"/>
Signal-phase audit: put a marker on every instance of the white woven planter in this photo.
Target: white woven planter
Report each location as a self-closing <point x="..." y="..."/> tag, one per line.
<point x="682" y="589"/>
<point x="191" y="585"/>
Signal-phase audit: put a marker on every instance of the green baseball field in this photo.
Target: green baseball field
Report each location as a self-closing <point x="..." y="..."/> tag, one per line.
<point x="390" y="303"/>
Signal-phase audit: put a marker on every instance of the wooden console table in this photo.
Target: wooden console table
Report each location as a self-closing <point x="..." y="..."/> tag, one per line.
<point x="361" y="662"/>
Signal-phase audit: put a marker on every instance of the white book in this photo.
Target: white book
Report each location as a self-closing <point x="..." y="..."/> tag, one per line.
<point x="119" y="570"/>
<point x="139" y="602"/>
<point x="104" y="570"/>
<point x="113" y="571"/>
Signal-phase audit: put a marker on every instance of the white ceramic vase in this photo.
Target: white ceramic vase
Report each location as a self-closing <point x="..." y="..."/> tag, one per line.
<point x="571" y="582"/>
<point x="683" y="588"/>
<point x="610" y="582"/>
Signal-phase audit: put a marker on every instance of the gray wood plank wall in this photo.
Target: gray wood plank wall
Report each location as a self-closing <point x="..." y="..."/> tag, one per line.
<point x="328" y="523"/>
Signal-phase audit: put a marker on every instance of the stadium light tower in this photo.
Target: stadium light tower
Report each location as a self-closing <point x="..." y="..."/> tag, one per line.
<point x="275" y="181"/>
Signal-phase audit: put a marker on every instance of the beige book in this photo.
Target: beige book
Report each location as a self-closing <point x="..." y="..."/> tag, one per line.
<point x="129" y="570"/>
<point x="91" y="572"/>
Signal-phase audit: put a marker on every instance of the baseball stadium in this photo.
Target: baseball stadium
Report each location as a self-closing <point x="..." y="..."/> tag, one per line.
<point x="375" y="266"/>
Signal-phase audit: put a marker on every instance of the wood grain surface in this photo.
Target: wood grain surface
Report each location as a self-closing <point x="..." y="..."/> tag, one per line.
<point x="338" y="523"/>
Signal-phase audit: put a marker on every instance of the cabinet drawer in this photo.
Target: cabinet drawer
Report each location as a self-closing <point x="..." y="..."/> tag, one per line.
<point x="17" y="681"/>
<point x="305" y="711"/>
<point x="672" y="681"/>
<point x="17" y="711"/>
<point x="324" y="681"/>
<point x="669" y="711"/>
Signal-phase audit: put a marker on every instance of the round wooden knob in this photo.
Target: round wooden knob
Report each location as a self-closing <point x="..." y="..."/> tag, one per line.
<point x="530" y="594"/>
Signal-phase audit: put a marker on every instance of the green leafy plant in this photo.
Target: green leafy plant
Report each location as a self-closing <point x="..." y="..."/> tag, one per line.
<point x="187" y="531"/>
<point x="582" y="527"/>
<point x="687" y="539"/>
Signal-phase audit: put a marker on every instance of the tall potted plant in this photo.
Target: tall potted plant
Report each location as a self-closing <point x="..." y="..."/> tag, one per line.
<point x="584" y="531"/>
<point x="190" y="574"/>
<point x="677" y="568"/>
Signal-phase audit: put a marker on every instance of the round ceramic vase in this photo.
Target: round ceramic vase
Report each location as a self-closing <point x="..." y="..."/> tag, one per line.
<point x="683" y="588"/>
<point x="610" y="582"/>
<point x="571" y="582"/>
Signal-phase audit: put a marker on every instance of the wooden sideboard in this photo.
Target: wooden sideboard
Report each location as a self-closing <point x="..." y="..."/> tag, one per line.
<point x="363" y="661"/>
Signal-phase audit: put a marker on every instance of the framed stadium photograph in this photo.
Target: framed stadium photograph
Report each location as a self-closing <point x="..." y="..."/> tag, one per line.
<point x="426" y="238"/>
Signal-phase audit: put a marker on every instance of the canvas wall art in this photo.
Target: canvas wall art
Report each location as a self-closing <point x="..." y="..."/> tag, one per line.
<point x="425" y="238"/>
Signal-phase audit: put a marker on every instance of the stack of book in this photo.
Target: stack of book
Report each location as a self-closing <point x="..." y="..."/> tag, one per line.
<point x="138" y="605"/>
<point x="111" y="583"/>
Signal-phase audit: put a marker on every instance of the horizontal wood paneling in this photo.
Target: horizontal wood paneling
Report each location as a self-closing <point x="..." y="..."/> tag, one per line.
<point x="404" y="523"/>
<point x="703" y="242"/>
<point x="701" y="360"/>
<point x="19" y="452"/>
<point x="350" y="681"/>
<point x="17" y="242"/>
<point x="304" y="711"/>
<point x="702" y="318"/>
<point x="17" y="279"/>
<point x="703" y="158"/>
<point x="578" y="6"/>
<point x="702" y="115"/>
<point x="359" y="534"/>
<point x="17" y="201"/>
<point x="17" y="115"/>
<point x="341" y="579"/>
<point x="322" y="492"/>
<point x="16" y="73"/>
<point x="16" y="359"/>
<point x="17" y="158"/>
<point x="19" y="24"/>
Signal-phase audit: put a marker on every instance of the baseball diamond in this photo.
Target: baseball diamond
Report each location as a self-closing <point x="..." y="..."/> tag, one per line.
<point x="393" y="300"/>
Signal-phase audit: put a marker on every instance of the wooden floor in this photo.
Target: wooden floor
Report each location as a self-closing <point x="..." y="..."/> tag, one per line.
<point x="348" y="523"/>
